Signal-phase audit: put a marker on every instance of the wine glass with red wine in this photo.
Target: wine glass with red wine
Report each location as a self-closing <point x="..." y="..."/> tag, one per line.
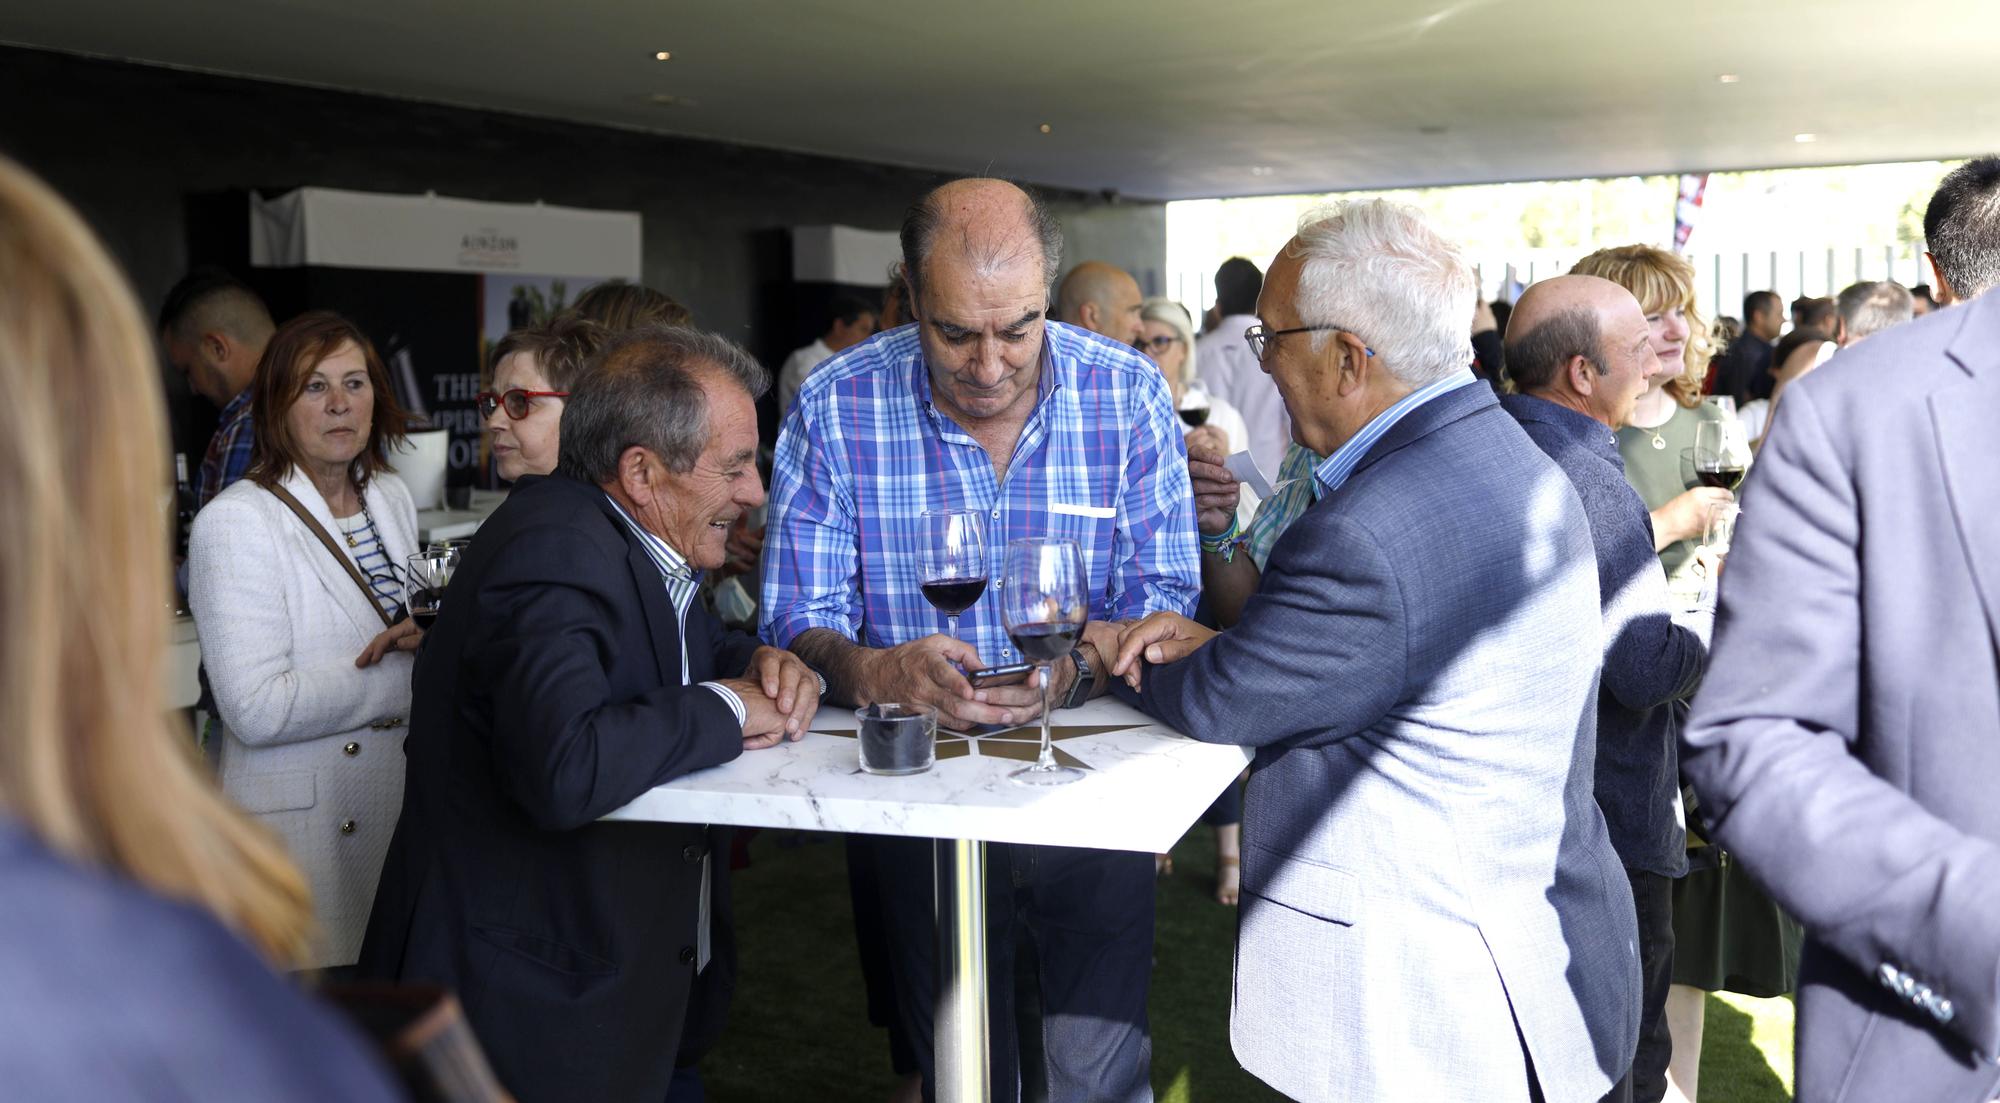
<point x="428" y="573"/>
<point x="1044" y="602"/>
<point x="1721" y="453"/>
<point x="1195" y="405"/>
<point x="951" y="565"/>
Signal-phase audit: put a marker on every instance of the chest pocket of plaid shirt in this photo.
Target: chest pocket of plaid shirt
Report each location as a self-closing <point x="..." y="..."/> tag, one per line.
<point x="1092" y="527"/>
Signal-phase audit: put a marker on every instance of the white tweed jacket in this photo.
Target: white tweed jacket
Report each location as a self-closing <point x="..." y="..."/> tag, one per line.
<point x="312" y="746"/>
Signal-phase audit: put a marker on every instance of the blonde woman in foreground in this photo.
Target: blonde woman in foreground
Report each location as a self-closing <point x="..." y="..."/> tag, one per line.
<point x="143" y="921"/>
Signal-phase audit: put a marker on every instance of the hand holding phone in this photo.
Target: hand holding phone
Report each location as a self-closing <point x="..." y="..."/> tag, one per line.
<point x="1000" y="675"/>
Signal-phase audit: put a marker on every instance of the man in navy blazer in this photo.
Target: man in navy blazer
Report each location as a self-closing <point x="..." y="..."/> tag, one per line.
<point x="1846" y="744"/>
<point x="570" y="670"/>
<point x="1432" y="907"/>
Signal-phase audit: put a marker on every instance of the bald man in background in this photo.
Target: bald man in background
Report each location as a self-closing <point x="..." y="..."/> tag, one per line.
<point x="1580" y="353"/>
<point x="1102" y="298"/>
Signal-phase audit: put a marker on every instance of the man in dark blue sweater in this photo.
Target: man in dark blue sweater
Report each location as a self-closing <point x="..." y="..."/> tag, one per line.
<point x="1578" y="351"/>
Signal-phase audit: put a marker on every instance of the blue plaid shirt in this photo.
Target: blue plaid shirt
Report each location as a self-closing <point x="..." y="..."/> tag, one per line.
<point x="228" y="455"/>
<point x="864" y="453"/>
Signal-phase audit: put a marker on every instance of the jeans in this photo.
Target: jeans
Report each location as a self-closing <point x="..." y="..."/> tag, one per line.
<point x="1646" y="1081"/>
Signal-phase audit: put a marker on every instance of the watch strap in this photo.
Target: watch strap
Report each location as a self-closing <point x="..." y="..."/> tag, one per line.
<point x="1086" y="679"/>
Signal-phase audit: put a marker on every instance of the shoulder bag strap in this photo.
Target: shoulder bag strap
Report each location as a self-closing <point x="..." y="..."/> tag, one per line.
<point x="333" y="549"/>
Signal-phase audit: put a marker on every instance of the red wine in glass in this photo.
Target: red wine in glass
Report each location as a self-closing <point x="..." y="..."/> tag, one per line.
<point x="1726" y="478"/>
<point x="424" y="606"/>
<point x="951" y="562"/>
<point x="1044" y="603"/>
<point x="1196" y="417"/>
<point x="953" y="596"/>
<point x="1047" y="642"/>
<point x="424" y="581"/>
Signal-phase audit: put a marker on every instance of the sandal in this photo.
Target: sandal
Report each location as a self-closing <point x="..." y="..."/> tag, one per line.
<point x="1228" y="880"/>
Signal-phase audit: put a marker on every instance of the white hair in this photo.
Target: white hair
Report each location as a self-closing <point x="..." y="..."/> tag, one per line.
<point x="1380" y="271"/>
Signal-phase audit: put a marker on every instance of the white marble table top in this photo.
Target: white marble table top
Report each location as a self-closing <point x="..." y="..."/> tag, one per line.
<point x="457" y="524"/>
<point x="1144" y="784"/>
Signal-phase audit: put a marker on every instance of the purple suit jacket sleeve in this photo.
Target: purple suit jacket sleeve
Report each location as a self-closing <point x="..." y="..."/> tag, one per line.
<point x="1874" y="876"/>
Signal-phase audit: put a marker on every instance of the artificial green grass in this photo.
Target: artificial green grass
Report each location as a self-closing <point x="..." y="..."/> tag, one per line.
<point x="799" y="1030"/>
<point x="1746" y="1050"/>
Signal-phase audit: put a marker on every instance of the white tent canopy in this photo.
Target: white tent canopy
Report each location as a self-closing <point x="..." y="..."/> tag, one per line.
<point x="432" y="233"/>
<point x="843" y="254"/>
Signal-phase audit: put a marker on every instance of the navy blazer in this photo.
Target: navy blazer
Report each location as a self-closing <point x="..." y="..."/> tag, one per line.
<point x="1847" y="740"/>
<point x="548" y="694"/>
<point x="1428" y="886"/>
<point x="108" y="991"/>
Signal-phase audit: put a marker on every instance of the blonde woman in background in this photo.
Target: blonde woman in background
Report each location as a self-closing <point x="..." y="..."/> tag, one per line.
<point x="1728" y="935"/>
<point x="142" y="919"/>
<point x="1166" y="335"/>
<point x="1664" y="419"/>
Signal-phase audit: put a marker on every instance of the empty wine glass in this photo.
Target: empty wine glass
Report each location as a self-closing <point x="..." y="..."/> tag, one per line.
<point x="1044" y="604"/>
<point x="951" y="561"/>
<point x="424" y="581"/>
<point x="1717" y="534"/>
<point x="1721" y="529"/>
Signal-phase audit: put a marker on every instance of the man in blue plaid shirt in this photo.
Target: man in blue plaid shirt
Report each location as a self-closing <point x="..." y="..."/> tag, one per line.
<point x="1051" y="431"/>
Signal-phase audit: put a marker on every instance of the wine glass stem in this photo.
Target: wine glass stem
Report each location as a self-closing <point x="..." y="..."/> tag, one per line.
<point x="1047" y="759"/>
<point x="951" y="625"/>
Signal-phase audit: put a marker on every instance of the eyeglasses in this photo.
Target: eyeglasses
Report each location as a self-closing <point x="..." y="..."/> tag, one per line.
<point x="1157" y="344"/>
<point x="515" y="402"/>
<point x="1260" y="337"/>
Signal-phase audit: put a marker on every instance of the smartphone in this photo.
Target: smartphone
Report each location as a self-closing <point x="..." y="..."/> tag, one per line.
<point x="1000" y="675"/>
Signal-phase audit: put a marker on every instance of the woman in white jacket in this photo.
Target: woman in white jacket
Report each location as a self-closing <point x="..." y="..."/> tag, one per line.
<point x="303" y="637"/>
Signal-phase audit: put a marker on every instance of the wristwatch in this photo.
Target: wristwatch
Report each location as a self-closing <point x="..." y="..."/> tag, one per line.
<point x="1086" y="679"/>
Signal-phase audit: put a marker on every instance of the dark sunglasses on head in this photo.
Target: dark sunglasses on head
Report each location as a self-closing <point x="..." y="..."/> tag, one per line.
<point x="516" y="402"/>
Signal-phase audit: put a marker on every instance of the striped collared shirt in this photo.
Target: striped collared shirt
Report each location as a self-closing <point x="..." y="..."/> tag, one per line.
<point x="865" y="451"/>
<point x="681" y="581"/>
<point x="1294" y="493"/>
<point x="1332" y="475"/>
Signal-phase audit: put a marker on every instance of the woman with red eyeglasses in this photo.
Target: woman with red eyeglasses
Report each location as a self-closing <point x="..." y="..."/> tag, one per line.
<point x="532" y="372"/>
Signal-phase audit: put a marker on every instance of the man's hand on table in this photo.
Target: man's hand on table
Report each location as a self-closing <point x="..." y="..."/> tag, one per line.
<point x="1159" y="639"/>
<point x="780" y="695"/>
<point x="1216" y="491"/>
<point x="922" y="672"/>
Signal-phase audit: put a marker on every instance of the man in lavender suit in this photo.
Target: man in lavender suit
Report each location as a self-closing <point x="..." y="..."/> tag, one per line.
<point x="1847" y="741"/>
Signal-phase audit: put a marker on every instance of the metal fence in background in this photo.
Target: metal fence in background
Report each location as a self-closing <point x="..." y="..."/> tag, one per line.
<point x="1722" y="279"/>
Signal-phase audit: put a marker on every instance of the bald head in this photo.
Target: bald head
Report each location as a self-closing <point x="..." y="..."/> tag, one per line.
<point x="1582" y="342"/>
<point x="978" y="257"/>
<point x="981" y="227"/>
<point x="1101" y="298"/>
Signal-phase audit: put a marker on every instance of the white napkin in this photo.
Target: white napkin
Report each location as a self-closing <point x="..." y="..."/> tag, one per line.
<point x="1244" y="466"/>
